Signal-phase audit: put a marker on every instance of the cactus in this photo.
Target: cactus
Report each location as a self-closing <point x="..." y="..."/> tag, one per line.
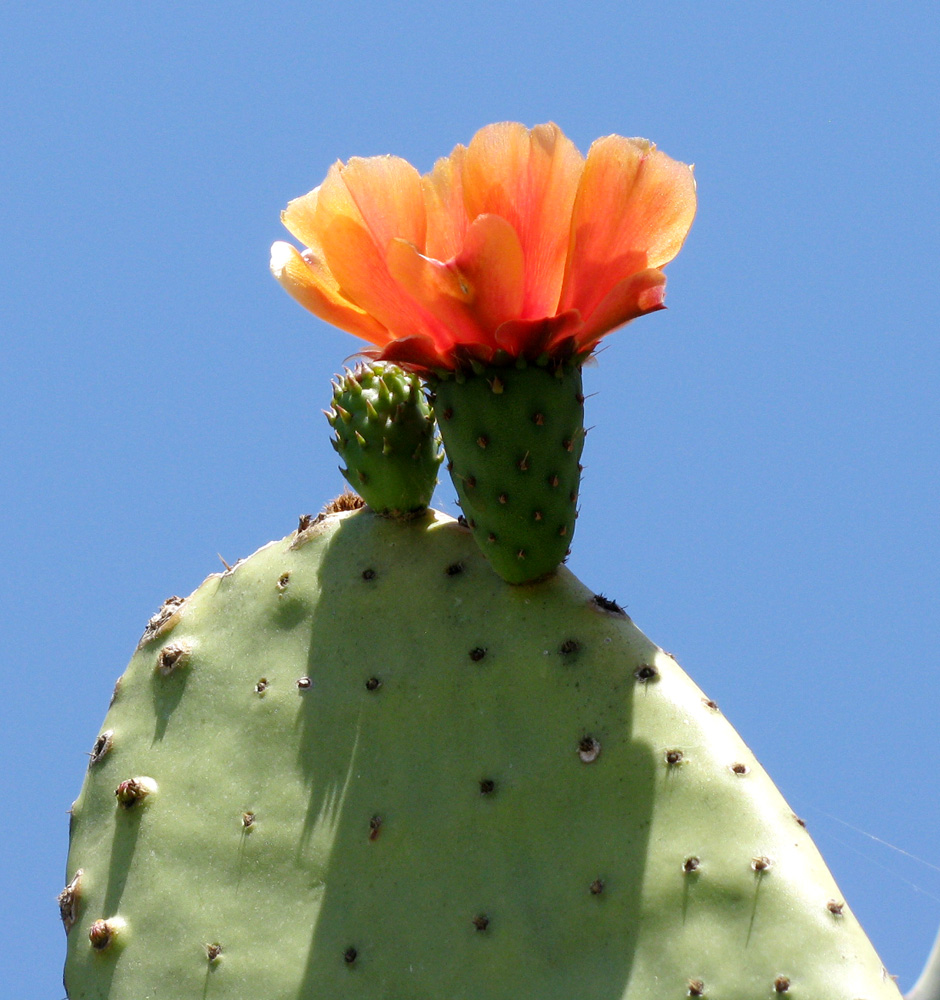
<point x="360" y="763"/>
<point x="509" y="261"/>
<point x="373" y="769"/>
<point x="385" y="434"/>
<point x="927" y="986"/>
<point x="513" y="436"/>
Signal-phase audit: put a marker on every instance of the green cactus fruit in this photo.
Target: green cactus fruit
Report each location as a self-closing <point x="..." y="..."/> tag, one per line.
<point x="360" y="765"/>
<point x="513" y="437"/>
<point x="385" y="434"/>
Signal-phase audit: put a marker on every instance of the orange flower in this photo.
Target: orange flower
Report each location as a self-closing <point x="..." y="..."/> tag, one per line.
<point x="515" y="245"/>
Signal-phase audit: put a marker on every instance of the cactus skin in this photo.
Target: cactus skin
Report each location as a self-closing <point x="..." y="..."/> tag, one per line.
<point x="385" y="434"/>
<point x="927" y="986"/>
<point x="513" y="437"/>
<point x="384" y="773"/>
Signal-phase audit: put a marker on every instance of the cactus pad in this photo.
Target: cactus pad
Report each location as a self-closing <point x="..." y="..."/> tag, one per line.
<point x="374" y="770"/>
<point x="385" y="434"/>
<point x="513" y="437"/>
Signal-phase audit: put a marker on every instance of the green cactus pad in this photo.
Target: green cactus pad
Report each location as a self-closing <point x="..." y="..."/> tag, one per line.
<point x="385" y="434"/>
<point x="513" y="437"/>
<point x="377" y="772"/>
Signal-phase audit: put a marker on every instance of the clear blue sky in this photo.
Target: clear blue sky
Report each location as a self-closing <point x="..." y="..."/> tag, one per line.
<point x="762" y="481"/>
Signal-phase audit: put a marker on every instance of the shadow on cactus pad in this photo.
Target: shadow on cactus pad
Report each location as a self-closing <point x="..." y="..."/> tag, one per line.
<point x="390" y="774"/>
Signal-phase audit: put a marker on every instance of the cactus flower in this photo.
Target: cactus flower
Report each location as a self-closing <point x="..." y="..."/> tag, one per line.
<point x="513" y="246"/>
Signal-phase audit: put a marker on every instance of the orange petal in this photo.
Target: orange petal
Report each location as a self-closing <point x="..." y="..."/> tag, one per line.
<point x="362" y="276"/>
<point x="633" y="210"/>
<point x="387" y="194"/>
<point x="439" y="288"/>
<point x="493" y="264"/>
<point x="300" y="215"/>
<point x="444" y="204"/>
<point x="361" y="208"/>
<point x="529" y="178"/>
<point x="312" y="285"/>
<point x="472" y="294"/>
<point x="637" y="295"/>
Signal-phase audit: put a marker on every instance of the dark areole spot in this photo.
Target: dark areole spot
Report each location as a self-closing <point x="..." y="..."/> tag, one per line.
<point x="605" y="603"/>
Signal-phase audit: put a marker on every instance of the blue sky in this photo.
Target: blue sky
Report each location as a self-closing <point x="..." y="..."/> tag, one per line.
<point x="761" y="486"/>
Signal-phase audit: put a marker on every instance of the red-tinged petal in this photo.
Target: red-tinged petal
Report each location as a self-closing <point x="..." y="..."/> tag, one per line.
<point x="633" y="210"/>
<point x="637" y="295"/>
<point x="444" y="205"/>
<point x="529" y="178"/>
<point x="415" y="352"/>
<point x="530" y="338"/>
<point x="312" y="285"/>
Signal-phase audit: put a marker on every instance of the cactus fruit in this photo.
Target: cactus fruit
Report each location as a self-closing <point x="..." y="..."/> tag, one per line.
<point x="513" y="437"/>
<point x="378" y="771"/>
<point x="385" y="434"/>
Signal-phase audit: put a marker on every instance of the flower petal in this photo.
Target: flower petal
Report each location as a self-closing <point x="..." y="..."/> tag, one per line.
<point x="300" y="214"/>
<point x="381" y="193"/>
<point x="529" y="338"/>
<point x="361" y="273"/>
<point x="444" y="205"/>
<point x="641" y="293"/>
<point x="360" y="209"/>
<point x="387" y="194"/>
<point x="473" y="293"/>
<point x="415" y="352"/>
<point x="311" y="284"/>
<point x="529" y="178"/>
<point x="493" y="264"/>
<point x="439" y="288"/>
<point x="633" y="210"/>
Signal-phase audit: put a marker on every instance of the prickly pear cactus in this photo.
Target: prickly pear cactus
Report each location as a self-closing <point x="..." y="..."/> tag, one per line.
<point x="385" y="434"/>
<point x="360" y="765"/>
<point x="513" y="436"/>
